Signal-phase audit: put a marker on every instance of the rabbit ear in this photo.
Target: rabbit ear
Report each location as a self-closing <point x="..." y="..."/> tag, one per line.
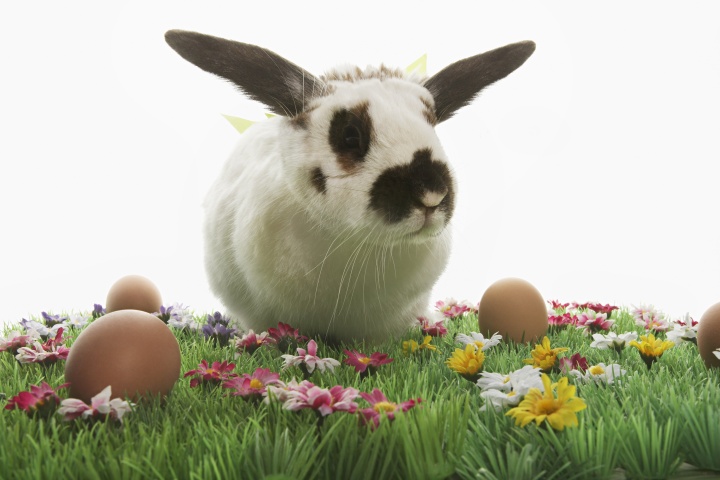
<point x="459" y="83"/>
<point x="263" y="75"/>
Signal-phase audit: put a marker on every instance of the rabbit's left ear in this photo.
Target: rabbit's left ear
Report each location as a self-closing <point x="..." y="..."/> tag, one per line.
<point x="459" y="83"/>
<point x="263" y="75"/>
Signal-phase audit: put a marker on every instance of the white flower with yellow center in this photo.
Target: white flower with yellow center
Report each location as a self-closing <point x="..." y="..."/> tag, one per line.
<point x="479" y="340"/>
<point x="600" y="374"/>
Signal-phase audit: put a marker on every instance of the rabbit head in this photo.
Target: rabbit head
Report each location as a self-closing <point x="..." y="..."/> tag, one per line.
<point x="363" y="152"/>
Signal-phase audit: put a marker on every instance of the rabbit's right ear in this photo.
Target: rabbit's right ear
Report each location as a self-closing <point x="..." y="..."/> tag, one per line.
<point x="263" y="75"/>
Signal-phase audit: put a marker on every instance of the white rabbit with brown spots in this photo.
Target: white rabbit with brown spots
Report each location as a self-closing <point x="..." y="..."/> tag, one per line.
<point x="333" y="217"/>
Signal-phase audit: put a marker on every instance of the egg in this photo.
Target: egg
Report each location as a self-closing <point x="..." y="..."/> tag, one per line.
<point x="708" y="335"/>
<point x="514" y="308"/>
<point x="132" y="351"/>
<point x="133" y="292"/>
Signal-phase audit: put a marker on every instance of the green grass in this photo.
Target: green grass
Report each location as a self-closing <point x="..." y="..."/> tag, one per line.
<point x="662" y="423"/>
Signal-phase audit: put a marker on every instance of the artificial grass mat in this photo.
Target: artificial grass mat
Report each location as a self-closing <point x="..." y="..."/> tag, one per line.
<point x="662" y="422"/>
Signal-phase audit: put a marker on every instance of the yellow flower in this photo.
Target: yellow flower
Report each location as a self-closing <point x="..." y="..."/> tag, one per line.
<point x="560" y="411"/>
<point x="411" y="346"/>
<point x="468" y="362"/>
<point x="426" y="344"/>
<point x="543" y="356"/>
<point x="651" y="348"/>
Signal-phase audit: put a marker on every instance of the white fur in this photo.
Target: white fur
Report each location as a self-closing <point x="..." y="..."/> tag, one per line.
<point x="278" y="251"/>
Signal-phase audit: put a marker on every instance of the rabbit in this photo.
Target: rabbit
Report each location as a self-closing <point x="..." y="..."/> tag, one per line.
<point x="334" y="215"/>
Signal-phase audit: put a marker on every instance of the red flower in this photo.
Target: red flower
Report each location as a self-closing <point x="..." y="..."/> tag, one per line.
<point x="287" y="337"/>
<point x="380" y="406"/>
<point x="575" y="362"/>
<point x="213" y="375"/>
<point x="556" y="305"/>
<point x="599" y="308"/>
<point x="40" y="400"/>
<point x="434" y="328"/>
<point x="562" y="320"/>
<point x="364" y="364"/>
<point x="252" y="386"/>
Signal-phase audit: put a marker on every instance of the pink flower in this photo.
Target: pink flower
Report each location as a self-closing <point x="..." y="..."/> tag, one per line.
<point x="451" y="308"/>
<point x="575" y="362"/>
<point x="47" y="353"/>
<point x="252" y="386"/>
<point x="308" y="360"/>
<point x="40" y="400"/>
<point x="381" y="406"/>
<point x="250" y="342"/>
<point x="593" y="322"/>
<point x="324" y="401"/>
<point x="364" y="364"/>
<point x="211" y="376"/>
<point x="434" y="327"/>
<point x="16" y="340"/>
<point x="101" y="407"/>
<point x="562" y="320"/>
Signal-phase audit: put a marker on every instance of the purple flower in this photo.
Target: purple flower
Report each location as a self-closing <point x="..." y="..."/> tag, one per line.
<point x="217" y="328"/>
<point x="98" y="311"/>
<point x="52" y="320"/>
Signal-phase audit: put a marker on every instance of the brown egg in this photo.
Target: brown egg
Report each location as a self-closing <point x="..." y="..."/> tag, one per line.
<point x="132" y="351"/>
<point x="708" y="335"/>
<point x="133" y="292"/>
<point x="514" y="308"/>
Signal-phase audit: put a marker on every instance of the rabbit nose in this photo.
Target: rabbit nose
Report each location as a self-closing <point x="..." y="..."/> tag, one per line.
<point x="431" y="200"/>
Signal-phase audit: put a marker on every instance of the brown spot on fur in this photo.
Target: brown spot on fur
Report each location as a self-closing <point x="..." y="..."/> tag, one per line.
<point x="301" y="120"/>
<point x="429" y="111"/>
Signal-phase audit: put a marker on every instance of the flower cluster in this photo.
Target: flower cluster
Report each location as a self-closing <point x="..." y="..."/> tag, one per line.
<point x="16" y="340"/>
<point x="46" y="353"/>
<point x="44" y="401"/>
<point x="650" y="318"/>
<point x="684" y="330"/>
<point x="179" y="317"/>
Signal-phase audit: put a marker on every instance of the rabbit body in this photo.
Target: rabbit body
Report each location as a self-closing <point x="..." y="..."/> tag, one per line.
<point x="334" y="217"/>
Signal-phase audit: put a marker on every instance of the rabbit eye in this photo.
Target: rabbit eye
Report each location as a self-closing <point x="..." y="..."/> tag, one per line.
<point x="351" y="137"/>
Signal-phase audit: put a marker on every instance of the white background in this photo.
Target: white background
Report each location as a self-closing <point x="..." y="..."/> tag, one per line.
<point x="591" y="171"/>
